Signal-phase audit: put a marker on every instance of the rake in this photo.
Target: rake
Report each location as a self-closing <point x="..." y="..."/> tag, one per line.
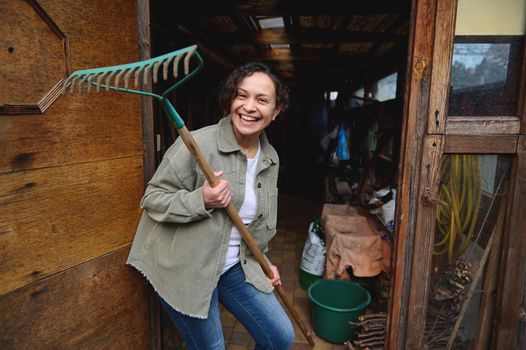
<point x="111" y="78"/>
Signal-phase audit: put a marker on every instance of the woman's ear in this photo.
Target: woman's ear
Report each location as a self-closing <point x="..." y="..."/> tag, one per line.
<point x="276" y="112"/>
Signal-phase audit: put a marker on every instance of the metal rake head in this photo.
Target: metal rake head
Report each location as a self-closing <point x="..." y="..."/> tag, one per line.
<point x="112" y="77"/>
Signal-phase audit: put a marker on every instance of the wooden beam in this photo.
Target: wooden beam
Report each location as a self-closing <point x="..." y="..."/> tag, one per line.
<point x="501" y="144"/>
<point x="284" y="54"/>
<point x="522" y="90"/>
<point x="440" y="77"/>
<point x="149" y="154"/>
<point x="513" y="277"/>
<point x="481" y="125"/>
<point x="145" y="52"/>
<point x="399" y="22"/>
<point x="415" y="116"/>
<point x="424" y="239"/>
<point x="270" y="36"/>
<point x="290" y="7"/>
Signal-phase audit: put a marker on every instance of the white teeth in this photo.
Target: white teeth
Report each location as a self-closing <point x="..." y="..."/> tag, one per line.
<point x="248" y="118"/>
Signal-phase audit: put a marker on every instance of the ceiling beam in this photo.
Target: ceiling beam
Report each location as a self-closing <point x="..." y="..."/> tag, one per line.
<point x="291" y="7"/>
<point x="283" y="54"/>
<point x="305" y="36"/>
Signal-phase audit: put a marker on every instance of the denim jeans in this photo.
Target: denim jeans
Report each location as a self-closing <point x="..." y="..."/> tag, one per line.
<point x="260" y="313"/>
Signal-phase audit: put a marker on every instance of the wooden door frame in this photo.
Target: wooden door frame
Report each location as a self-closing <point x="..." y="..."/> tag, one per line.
<point x="148" y="136"/>
<point x="427" y="135"/>
<point x="416" y="105"/>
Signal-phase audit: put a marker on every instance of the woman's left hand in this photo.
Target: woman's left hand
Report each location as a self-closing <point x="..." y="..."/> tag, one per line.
<point x="276" y="281"/>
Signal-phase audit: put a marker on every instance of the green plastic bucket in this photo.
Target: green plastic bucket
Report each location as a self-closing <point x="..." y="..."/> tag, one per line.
<point x="333" y="304"/>
<point x="306" y="279"/>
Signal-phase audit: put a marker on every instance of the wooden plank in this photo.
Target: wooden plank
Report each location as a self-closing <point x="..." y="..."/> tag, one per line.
<point x="522" y="90"/>
<point x="80" y="128"/>
<point x="149" y="159"/>
<point x="482" y="125"/>
<point x="33" y="49"/>
<point x="415" y="118"/>
<point x="481" y="144"/>
<point x="55" y="218"/>
<point x="441" y="75"/>
<point x="100" y="304"/>
<point x="148" y="133"/>
<point x="424" y="239"/>
<point x="513" y="277"/>
<point x="75" y="129"/>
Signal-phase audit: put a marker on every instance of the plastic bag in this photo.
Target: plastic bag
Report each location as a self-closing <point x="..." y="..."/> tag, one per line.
<point x="313" y="257"/>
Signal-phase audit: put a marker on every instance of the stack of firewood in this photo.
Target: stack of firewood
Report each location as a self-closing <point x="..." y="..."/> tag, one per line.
<point x="371" y="332"/>
<point x="446" y="303"/>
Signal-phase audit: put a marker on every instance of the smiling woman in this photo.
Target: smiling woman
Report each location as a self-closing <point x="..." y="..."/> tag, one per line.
<point x="190" y="252"/>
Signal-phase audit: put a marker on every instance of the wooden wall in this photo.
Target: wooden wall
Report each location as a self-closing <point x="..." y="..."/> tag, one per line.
<point x="70" y="183"/>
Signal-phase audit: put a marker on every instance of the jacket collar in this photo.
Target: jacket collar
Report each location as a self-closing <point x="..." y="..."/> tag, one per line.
<point x="227" y="140"/>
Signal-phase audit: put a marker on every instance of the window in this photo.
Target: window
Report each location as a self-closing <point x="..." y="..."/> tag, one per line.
<point x="385" y="89"/>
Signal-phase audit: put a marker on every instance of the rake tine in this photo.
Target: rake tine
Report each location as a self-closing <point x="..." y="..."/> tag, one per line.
<point x="155" y="70"/>
<point x="108" y="79"/>
<point x="127" y="77"/>
<point x="88" y="81"/>
<point x="118" y="77"/>
<point x="72" y="85"/>
<point x="81" y="80"/>
<point x="187" y="61"/>
<point x="165" y="68"/>
<point x="176" y="66"/>
<point x="145" y="74"/>
<point x="137" y="74"/>
<point x="99" y="79"/>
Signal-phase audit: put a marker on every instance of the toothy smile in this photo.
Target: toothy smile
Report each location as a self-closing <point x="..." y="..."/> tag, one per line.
<point x="248" y="118"/>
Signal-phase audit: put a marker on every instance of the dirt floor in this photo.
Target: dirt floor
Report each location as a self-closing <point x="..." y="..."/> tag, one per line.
<point x="295" y="214"/>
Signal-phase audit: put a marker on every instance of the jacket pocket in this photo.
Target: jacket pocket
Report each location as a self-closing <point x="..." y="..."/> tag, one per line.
<point x="272" y="209"/>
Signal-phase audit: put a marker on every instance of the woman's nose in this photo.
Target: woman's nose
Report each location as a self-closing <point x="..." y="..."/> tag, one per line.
<point x="250" y="104"/>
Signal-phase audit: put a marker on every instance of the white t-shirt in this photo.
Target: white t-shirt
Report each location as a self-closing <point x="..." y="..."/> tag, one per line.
<point x="246" y="212"/>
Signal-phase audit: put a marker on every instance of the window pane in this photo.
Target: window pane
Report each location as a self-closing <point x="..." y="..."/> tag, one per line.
<point x="357" y="98"/>
<point x="485" y="73"/>
<point x="473" y="188"/>
<point x="385" y="89"/>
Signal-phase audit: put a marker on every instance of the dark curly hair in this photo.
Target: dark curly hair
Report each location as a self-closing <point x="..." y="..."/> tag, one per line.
<point x="229" y="87"/>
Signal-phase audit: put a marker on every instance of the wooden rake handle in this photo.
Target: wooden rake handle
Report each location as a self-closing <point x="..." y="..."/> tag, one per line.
<point x="205" y="167"/>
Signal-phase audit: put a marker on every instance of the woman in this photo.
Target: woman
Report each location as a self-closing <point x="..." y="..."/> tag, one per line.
<point x="188" y="248"/>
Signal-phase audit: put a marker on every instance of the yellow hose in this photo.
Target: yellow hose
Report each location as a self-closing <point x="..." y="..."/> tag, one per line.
<point x="461" y="189"/>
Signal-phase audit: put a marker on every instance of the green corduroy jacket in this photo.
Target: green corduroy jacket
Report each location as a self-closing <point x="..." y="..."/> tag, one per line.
<point x="180" y="246"/>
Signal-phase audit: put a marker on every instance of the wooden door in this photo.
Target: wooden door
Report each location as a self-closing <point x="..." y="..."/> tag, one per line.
<point x="71" y="178"/>
<point x="456" y="109"/>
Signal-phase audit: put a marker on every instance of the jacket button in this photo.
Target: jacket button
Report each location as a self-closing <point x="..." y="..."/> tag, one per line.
<point x="260" y="216"/>
<point x="244" y="261"/>
<point x="259" y="185"/>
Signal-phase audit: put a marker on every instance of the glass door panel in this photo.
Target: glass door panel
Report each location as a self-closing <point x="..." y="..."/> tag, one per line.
<point x="469" y="220"/>
<point x="487" y="56"/>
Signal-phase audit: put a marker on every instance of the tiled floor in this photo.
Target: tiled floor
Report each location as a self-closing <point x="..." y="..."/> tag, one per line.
<point x="295" y="214"/>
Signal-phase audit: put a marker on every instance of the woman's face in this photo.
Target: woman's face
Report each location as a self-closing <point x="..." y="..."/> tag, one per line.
<point x="254" y="106"/>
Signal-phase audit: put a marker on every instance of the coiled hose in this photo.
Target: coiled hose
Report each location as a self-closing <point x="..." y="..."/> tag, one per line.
<point x="461" y="189"/>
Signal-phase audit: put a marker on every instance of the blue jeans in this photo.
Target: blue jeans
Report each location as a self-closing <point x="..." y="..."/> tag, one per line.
<point x="260" y="313"/>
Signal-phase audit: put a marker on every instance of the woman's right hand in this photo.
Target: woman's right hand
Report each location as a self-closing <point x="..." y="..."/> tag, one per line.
<point x="219" y="196"/>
